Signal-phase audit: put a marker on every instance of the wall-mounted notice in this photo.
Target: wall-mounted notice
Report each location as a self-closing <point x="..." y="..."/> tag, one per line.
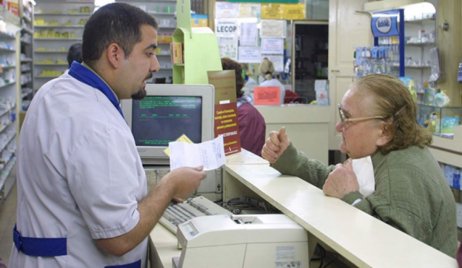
<point x="273" y="28"/>
<point x="283" y="11"/>
<point x="249" y="34"/>
<point x="249" y="55"/>
<point x="226" y="27"/>
<point x="226" y="10"/>
<point x="228" y="46"/>
<point x="294" y="12"/>
<point x="247" y="10"/>
<point x="271" y="11"/>
<point x="272" y="46"/>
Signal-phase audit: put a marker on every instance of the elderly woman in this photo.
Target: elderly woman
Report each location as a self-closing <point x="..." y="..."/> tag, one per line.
<point x="378" y="119"/>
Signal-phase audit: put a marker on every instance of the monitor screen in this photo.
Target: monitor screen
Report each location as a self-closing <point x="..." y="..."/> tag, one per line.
<point x="167" y="112"/>
<point x="173" y="115"/>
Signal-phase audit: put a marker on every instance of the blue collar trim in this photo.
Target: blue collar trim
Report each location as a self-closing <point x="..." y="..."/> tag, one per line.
<point x="85" y="75"/>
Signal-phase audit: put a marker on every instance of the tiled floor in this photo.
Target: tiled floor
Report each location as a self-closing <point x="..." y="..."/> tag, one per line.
<point x="7" y="220"/>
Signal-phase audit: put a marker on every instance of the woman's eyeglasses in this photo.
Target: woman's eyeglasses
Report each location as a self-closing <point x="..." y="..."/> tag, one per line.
<point x="345" y="120"/>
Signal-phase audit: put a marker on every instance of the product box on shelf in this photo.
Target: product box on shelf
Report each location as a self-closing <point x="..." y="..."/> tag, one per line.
<point x="440" y="120"/>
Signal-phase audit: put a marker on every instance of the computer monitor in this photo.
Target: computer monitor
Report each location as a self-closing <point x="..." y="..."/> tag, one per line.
<point x="167" y="112"/>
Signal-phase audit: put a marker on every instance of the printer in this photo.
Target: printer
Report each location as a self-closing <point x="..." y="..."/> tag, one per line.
<point x="262" y="240"/>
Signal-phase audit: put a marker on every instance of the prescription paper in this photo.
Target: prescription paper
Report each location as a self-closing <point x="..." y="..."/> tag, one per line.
<point x="364" y="171"/>
<point x="209" y="154"/>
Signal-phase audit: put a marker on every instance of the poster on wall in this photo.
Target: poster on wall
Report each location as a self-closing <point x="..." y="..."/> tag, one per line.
<point x="249" y="55"/>
<point x="248" y="34"/>
<point x="247" y="10"/>
<point x="273" y="28"/>
<point x="272" y="46"/>
<point x="271" y="11"/>
<point x="294" y="11"/>
<point x="226" y="27"/>
<point x="228" y="46"/>
<point x="283" y="11"/>
<point x="226" y="10"/>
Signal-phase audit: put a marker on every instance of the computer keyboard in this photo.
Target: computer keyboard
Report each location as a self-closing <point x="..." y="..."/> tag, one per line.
<point x="177" y="213"/>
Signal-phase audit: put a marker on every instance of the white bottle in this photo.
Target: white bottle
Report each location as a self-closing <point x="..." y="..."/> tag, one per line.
<point x="322" y="95"/>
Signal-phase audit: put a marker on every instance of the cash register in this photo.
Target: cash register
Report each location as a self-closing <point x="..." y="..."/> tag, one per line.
<point x="260" y="240"/>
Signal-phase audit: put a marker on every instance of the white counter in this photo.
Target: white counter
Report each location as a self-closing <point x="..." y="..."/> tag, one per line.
<point x="360" y="238"/>
<point x="306" y="125"/>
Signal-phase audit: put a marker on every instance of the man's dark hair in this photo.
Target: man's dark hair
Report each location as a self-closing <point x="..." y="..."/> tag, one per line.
<point x="113" y="23"/>
<point x="74" y="53"/>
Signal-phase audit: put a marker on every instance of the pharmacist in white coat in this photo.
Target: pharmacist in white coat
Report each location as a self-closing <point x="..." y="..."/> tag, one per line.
<point x="267" y="78"/>
<point x="82" y="193"/>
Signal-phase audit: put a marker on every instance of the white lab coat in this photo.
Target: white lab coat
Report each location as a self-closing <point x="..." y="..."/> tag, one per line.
<point x="79" y="176"/>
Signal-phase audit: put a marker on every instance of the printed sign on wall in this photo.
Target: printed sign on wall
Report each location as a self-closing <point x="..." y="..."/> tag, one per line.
<point x="226" y="27"/>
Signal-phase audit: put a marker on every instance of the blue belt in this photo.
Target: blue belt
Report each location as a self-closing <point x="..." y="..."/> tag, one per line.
<point x="43" y="247"/>
<point x="136" y="264"/>
<point x="51" y="247"/>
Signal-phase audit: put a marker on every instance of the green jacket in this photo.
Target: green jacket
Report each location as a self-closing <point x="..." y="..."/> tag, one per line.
<point x="411" y="193"/>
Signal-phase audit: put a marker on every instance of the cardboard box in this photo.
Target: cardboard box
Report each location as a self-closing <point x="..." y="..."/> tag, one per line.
<point x="177" y="52"/>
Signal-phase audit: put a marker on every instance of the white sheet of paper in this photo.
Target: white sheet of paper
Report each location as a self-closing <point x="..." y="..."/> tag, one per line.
<point x="249" y="34"/>
<point x="272" y="46"/>
<point x="249" y="54"/>
<point x="365" y="174"/>
<point x="209" y="154"/>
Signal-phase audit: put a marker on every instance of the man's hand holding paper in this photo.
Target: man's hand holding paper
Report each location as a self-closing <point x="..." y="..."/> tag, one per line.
<point x="210" y="154"/>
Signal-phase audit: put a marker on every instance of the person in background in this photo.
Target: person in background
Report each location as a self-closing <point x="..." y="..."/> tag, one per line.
<point x="249" y="84"/>
<point x="378" y="119"/>
<point x="267" y="78"/>
<point x="252" y="126"/>
<point x="74" y="54"/>
<point x="83" y="199"/>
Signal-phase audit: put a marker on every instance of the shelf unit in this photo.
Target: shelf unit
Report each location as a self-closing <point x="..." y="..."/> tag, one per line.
<point x="9" y="85"/>
<point x="26" y="57"/>
<point x="448" y="151"/>
<point x="197" y="44"/>
<point x="57" y="25"/>
<point x="420" y="35"/>
<point x="164" y="13"/>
